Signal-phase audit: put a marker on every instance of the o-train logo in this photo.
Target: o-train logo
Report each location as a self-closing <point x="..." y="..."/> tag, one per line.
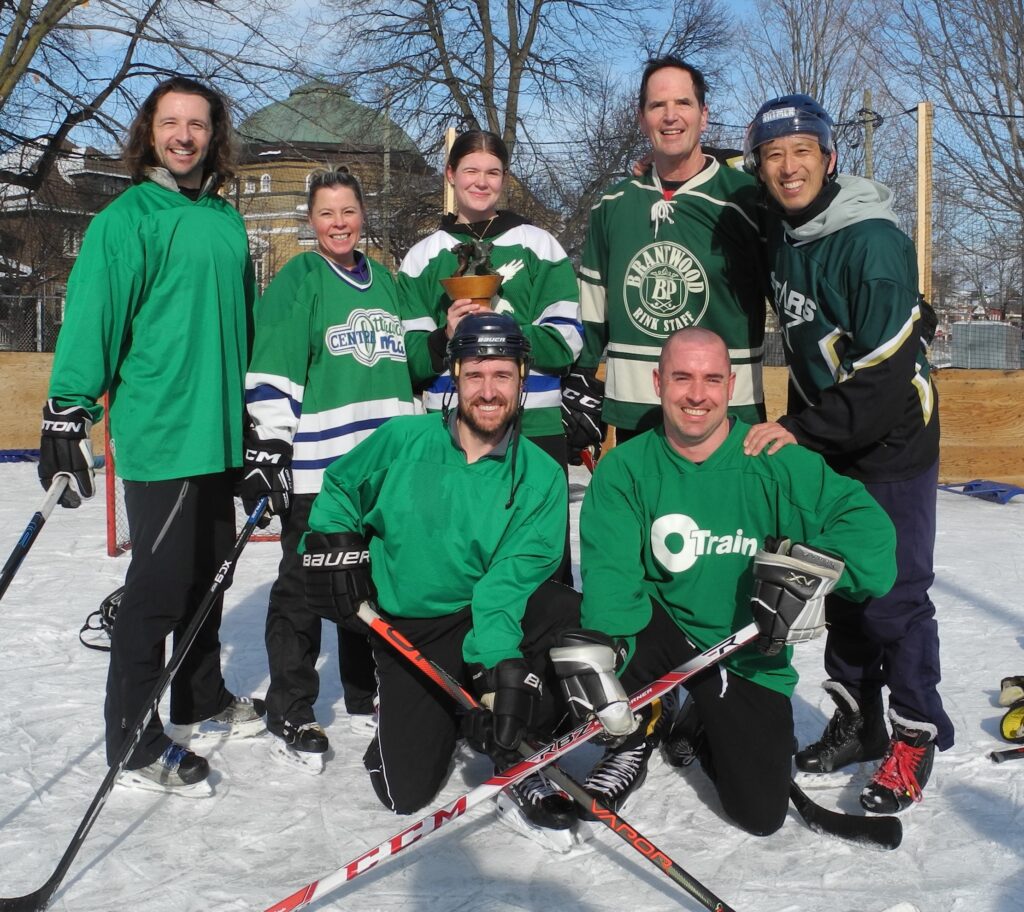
<point x="665" y="289"/>
<point x="368" y="336"/>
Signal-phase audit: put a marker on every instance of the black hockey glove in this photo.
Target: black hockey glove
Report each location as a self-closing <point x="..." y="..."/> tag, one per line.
<point x="585" y="662"/>
<point x="788" y="597"/>
<point x="582" y="398"/>
<point x="337" y="567"/>
<point x="510" y="694"/>
<point x="266" y="472"/>
<point x="65" y="449"/>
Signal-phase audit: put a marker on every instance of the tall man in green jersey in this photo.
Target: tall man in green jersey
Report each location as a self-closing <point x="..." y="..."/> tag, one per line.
<point x="159" y="308"/>
<point x="678" y="246"/>
<point x="684" y="540"/>
<point x="453" y="524"/>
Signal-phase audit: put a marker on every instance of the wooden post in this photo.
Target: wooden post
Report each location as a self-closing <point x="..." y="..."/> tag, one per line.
<point x="449" y="191"/>
<point x="925" y="115"/>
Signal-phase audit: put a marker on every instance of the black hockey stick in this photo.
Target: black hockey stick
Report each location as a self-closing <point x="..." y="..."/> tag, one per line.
<point x="32" y="530"/>
<point x="600" y="811"/>
<point x="39" y="899"/>
<point x="875" y="832"/>
<point x="415" y="832"/>
<point x="1013" y="753"/>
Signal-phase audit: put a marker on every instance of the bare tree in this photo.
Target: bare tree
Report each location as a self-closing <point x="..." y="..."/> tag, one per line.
<point x="68" y="64"/>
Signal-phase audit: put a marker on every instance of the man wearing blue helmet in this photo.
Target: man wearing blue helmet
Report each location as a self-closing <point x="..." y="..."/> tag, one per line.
<point x="845" y="288"/>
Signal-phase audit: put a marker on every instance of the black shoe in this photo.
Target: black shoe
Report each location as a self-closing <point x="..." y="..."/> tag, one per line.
<point x="621" y="771"/>
<point x="307" y="737"/>
<point x="540" y="802"/>
<point x="904" y="772"/>
<point x="685" y="740"/>
<point x="854" y="734"/>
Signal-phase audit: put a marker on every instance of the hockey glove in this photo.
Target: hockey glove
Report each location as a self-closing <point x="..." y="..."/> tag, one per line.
<point x="582" y="398"/>
<point x="65" y="449"/>
<point x="510" y="696"/>
<point x="337" y="567"/>
<point x="266" y="472"/>
<point x="585" y="663"/>
<point x="788" y="597"/>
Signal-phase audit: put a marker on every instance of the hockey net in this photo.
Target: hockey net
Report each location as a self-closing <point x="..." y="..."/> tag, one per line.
<point x="118" y="539"/>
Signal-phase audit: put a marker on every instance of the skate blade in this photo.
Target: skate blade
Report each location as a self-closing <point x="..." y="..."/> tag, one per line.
<point x="130" y="779"/>
<point x="856" y="775"/>
<point x="214" y="732"/>
<point x="303" y="761"/>
<point x="561" y="841"/>
<point x="363" y="724"/>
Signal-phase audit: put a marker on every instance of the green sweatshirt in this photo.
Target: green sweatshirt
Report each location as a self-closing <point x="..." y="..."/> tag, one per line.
<point x="159" y="312"/>
<point x="655" y="525"/>
<point x="441" y="536"/>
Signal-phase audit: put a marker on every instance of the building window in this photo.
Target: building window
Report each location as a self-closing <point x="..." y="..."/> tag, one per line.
<point x="250" y="185"/>
<point x="265" y="183"/>
<point x="72" y="241"/>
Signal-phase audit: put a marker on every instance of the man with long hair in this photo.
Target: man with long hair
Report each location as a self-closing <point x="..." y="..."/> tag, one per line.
<point x="158" y="317"/>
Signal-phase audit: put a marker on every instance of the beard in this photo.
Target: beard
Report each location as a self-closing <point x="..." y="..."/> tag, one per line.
<point x="491" y="430"/>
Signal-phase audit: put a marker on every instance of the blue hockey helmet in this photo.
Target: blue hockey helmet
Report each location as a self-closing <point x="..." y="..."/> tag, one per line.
<point x="785" y="116"/>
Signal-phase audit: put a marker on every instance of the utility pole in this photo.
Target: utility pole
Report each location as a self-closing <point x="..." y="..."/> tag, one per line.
<point x="925" y="116"/>
<point x="385" y="207"/>
<point x="869" y="137"/>
<point x="449" y="190"/>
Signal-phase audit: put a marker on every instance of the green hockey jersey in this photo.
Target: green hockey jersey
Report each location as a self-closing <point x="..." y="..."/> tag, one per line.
<point x="159" y="312"/>
<point x="656" y="526"/>
<point x="442" y="535"/>
<point x="538" y="288"/>
<point x="328" y="363"/>
<point x="656" y="261"/>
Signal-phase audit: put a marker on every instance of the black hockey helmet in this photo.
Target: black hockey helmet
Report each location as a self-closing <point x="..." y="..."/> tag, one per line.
<point x="785" y="116"/>
<point x="488" y="335"/>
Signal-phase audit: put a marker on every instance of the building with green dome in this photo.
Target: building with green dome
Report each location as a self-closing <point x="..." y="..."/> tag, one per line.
<point x="320" y="125"/>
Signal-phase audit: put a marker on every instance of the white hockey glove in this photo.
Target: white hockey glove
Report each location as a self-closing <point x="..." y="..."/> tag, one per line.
<point x="788" y="598"/>
<point x="585" y="664"/>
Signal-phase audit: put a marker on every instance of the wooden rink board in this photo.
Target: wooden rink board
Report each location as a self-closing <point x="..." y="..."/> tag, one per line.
<point x="982" y="414"/>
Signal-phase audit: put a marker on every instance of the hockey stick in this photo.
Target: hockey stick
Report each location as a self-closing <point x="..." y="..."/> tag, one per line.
<point x="600" y="811"/>
<point x="587" y="457"/>
<point x="415" y="832"/>
<point x="32" y="530"/>
<point x="1013" y="753"/>
<point x="873" y="832"/>
<point x="39" y="899"/>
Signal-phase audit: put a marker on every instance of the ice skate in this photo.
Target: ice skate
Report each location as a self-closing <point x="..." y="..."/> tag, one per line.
<point x="241" y="718"/>
<point x="177" y="771"/>
<point x="905" y="770"/>
<point x="303" y="746"/>
<point x="540" y="811"/>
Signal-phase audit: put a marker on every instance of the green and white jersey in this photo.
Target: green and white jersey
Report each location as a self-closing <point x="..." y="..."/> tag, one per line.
<point x="159" y="315"/>
<point x="656" y="526"/>
<point x="656" y="261"/>
<point x="538" y="288"/>
<point x="442" y="532"/>
<point x="845" y="289"/>
<point x="328" y="364"/>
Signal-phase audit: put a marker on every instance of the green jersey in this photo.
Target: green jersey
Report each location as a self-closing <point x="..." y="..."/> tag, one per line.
<point x="328" y="363"/>
<point x="657" y="260"/>
<point x="442" y="532"/>
<point x="159" y="311"/>
<point x="538" y="288"/>
<point x="656" y="526"/>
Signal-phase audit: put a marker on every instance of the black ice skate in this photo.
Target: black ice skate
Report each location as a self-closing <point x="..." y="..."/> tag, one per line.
<point x="854" y="734"/>
<point x="539" y="810"/>
<point x="904" y="772"/>
<point x="301" y="744"/>
<point x="177" y="771"/>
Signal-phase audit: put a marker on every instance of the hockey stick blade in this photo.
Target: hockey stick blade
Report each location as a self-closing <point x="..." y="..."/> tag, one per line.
<point x="39" y="899"/>
<point x="433" y="821"/>
<point x="597" y="809"/>
<point x="1001" y="756"/>
<point x="32" y="530"/>
<point x="873" y="832"/>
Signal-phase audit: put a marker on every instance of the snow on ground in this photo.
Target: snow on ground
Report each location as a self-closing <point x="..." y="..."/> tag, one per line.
<point x="268" y="829"/>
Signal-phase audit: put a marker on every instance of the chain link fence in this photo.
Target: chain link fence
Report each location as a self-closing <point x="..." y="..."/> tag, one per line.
<point x="30" y="322"/>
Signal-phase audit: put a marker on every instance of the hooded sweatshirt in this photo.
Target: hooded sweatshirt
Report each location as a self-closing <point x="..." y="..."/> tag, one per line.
<point x="845" y="289"/>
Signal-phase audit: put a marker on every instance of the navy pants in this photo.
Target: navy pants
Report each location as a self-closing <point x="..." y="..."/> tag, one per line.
<point x="181" y="531"/>
<point x="894" y="640"/>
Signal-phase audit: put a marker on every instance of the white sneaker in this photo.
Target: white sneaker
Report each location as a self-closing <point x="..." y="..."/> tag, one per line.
<point x="177" y="771"/>
<point x="242" y="718"/>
